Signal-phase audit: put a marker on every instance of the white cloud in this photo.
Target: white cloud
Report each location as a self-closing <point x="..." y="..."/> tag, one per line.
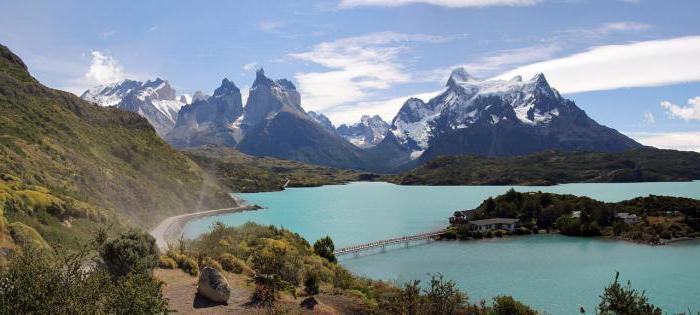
<point x="357" y="66"/>
<point x="690" y="112"/>
<point x="686" y="141"/>
<point x="249" y="66"/>
<point x="387" y="109"/>
<point x="622" y="27"/>
<point x="647" y="63"/>
<point x="444" y="3"/>
<point x="649" y="118"/>
<point x="103" y="69"/>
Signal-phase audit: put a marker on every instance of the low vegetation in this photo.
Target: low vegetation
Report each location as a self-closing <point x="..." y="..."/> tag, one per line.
<point x="280" y="262"/>
<point x="660" y="218"/>
<point x="551" y="167"/>
<point x="116" y="281"/>
<point x="245" y="173"/>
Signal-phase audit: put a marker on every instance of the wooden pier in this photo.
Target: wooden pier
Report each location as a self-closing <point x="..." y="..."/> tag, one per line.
<point x="384" y="243"/>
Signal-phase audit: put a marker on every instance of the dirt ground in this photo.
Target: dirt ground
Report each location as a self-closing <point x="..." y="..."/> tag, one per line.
<point x="181" y="289"/>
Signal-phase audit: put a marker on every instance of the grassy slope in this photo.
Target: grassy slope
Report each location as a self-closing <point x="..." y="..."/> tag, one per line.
<point x="244" y="173"/>
<point x="548" y="168"/>
<point x="106" y="157"/>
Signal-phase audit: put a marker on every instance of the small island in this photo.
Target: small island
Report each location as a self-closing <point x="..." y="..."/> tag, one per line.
<point x="652" y="220"/>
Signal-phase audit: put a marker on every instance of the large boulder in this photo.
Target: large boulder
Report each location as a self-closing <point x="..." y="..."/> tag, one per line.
<point x="213" y="285"/>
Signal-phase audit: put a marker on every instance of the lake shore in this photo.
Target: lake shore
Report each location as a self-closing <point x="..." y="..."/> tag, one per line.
<point x="171" y="228"/>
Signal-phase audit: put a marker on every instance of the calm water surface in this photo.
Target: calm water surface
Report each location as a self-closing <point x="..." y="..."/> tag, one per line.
<point x="552" y="273"/>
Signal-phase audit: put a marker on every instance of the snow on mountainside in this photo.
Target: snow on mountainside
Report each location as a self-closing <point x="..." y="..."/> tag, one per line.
<point x="154" y="100"/>
<point x="322" y="120"/>
<point x="486" y="107"/>
<point x="366" y="133"/>
<point x="110" y="94"/>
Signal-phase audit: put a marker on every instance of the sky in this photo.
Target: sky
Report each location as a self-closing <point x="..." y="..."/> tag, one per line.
<point x="633" y="65"/>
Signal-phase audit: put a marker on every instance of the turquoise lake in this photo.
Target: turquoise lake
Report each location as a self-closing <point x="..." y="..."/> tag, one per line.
<point x="552" y="273"/>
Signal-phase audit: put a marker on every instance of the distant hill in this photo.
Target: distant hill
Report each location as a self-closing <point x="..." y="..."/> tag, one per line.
<point x="245" y="173"/>
<point x="107" y="157"/>
<point x="550" y="167"/>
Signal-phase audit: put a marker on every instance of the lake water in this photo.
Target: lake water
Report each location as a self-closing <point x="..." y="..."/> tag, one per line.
<point x="550" y="272"/>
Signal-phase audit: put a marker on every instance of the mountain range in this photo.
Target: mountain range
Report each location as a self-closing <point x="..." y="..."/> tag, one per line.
<point x="154" y="100"/>
<point x="470" y="116"/>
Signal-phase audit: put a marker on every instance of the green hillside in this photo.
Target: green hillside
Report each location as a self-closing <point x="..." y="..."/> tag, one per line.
<point x="244" y="173"/>
<point x="107" y="158"/>
<point x="550" y="167"/>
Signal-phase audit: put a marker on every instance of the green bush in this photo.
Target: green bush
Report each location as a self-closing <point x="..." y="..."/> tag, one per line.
<point x="210" y="262"/>
<point x="131" y="251"/>
<point x="324" y="247"/>
<point x="166" y="262"/>
<point x="40" y="282"/>
<point x="189" y="265"/>
<point x="234" y="264"/>
<point x="618" y="299"/>
<point x="507" y="305"/>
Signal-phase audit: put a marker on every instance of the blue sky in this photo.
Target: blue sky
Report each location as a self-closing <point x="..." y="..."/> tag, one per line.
<point x="633" y="65"/>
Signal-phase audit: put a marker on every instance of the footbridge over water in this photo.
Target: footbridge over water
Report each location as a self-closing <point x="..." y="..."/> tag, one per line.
<point x="383" y="243"/>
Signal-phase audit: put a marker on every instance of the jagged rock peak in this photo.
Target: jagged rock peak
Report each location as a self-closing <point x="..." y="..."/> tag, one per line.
<point x="261" y="79"/>
<point x="226" y="87"/>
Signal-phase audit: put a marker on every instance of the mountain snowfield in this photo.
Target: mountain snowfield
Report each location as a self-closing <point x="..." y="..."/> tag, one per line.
<point x="366" y="133"/>
<point x="470" y="116"/>
<point x="154" y="100"/>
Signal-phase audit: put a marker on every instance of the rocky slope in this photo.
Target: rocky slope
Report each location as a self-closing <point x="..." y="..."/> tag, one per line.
<point x="209" y="119"/>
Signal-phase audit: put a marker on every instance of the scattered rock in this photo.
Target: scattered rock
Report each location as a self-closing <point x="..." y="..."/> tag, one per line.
<point x="309" y="303"/>
<point x="213" y="286"/>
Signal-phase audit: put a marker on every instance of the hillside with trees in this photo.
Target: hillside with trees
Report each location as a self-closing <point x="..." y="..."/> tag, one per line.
<point x="550" y="167"/>
<point x="661" y="218"/>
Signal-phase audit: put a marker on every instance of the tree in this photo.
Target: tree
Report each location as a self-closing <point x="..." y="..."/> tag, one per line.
<point x="132" y="251"/>
<point x="621" y="300"/>
<point x="324" y="247"/>
<point x="443" y="297"/>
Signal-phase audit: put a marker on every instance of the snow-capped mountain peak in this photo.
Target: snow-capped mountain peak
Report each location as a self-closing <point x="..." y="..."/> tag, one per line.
<point x="368" y="132"/>
<point x="155" y="100"/>
<point x="468" y="101"/>
<point x="110" y="94"/>
<point x="459" y="75"/>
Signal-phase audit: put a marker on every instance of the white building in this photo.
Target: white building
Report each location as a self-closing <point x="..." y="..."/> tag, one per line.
<point x="493" y="224"/>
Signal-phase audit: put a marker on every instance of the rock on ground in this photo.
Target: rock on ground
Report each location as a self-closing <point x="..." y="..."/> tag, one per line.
<point x="213" y="286"/>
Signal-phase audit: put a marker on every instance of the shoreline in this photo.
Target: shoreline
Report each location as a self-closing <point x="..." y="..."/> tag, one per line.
<point x="171" y="228"/>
